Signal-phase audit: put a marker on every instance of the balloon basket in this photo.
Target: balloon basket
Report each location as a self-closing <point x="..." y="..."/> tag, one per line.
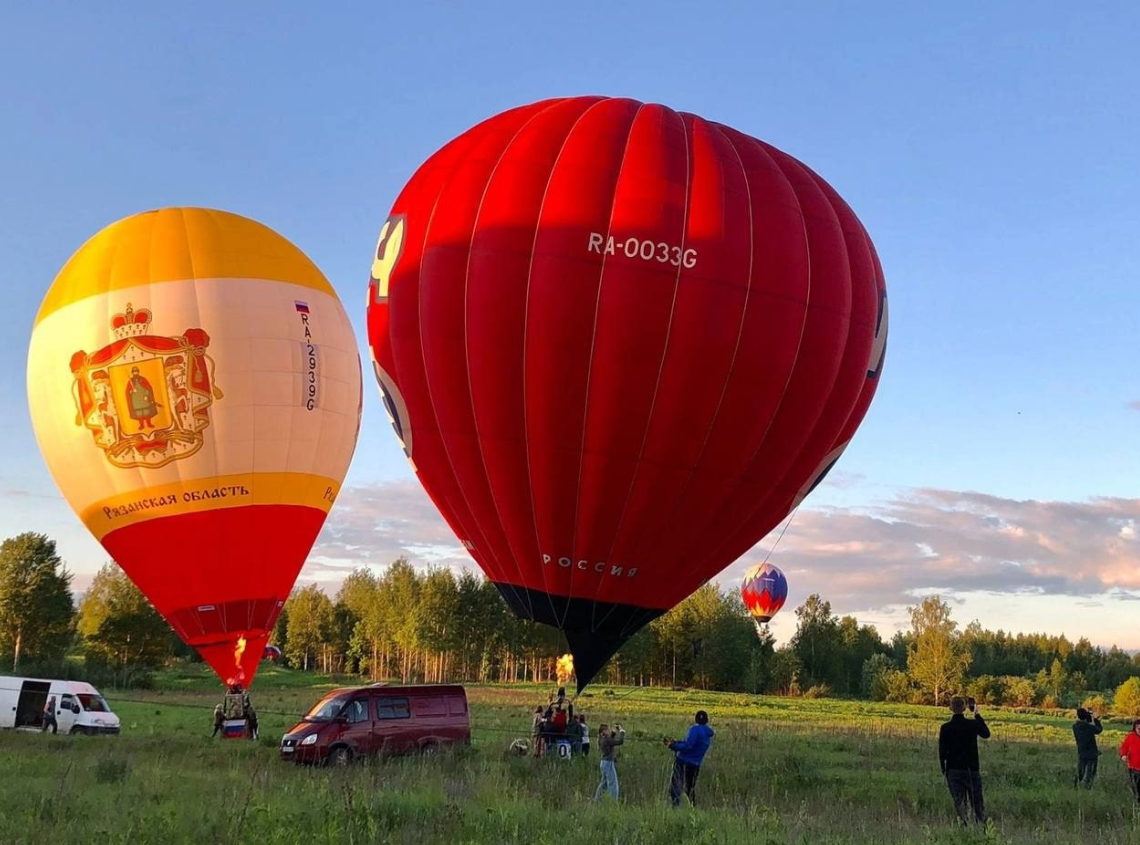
<point x="233" y="709"/>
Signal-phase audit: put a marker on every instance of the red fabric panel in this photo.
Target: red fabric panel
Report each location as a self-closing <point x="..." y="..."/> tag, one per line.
<point x="219" y="575"/>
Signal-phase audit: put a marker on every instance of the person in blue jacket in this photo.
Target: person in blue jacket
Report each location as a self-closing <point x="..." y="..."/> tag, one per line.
<point x="690" y="753"/>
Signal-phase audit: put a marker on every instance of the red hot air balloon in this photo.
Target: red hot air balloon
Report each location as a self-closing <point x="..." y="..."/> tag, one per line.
<point x="764" y="591"/>
<point x="619" y="344"/>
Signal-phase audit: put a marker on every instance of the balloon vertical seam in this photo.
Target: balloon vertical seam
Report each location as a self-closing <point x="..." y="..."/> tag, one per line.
<point x="593" y="345"/>
<point x="686" y="130"/>
<point x="477" y="439"/>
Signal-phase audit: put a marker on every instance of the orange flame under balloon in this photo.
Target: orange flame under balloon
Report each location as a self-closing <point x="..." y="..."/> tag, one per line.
<point x="239" y="650"/>
<point x="564" y="668"/>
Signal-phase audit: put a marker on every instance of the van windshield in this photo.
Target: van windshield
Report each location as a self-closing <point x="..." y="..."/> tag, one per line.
<point x="93" y="703"/>
<point x="327" y="709"/>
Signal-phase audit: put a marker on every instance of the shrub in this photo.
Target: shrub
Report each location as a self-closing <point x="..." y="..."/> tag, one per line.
<point x="818" y="691"/>
<point x="874" y="668"/>
<point x="1126" y="702"/>
<point x="1097" y="703"/>
<point x="1021" y="692"/>
<point x="987" y="689"/>
<point x="897" y="685"/>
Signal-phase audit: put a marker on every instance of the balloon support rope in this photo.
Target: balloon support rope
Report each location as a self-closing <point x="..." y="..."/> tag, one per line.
<point x="787" y="525"/>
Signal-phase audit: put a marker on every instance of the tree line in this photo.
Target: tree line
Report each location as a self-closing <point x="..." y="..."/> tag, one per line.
<point x="436" y="626"/>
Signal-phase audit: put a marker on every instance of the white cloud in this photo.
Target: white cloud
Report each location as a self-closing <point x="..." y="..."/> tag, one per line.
<point x="998" y="557"/>
<point x="374" y="524"/>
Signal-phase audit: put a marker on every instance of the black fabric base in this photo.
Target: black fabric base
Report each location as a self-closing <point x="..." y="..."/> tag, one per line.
<point x="594" y="630"/>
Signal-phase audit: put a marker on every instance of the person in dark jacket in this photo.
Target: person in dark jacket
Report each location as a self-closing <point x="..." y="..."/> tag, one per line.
<point x="1085" y="731"/>
<point x="251" y="720"/>
<point x="49" y="716"/>
<point x="690" y="752"/>
<point x="574" y="734"/>
<point x="958" y="758"/>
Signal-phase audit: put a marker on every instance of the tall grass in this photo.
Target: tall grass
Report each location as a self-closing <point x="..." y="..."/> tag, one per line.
<point x="780" y="771"/>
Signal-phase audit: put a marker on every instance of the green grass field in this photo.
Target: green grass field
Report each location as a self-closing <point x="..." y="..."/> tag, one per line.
<point x="780" y="771"/>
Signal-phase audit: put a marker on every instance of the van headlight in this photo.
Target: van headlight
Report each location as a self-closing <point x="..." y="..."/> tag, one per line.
<point x="311" y="739"/>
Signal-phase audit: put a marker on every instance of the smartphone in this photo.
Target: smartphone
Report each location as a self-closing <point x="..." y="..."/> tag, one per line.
<point x="971" y="703"/>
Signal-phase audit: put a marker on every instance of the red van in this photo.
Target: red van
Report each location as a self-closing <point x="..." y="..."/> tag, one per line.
<point x="379" y="719"/>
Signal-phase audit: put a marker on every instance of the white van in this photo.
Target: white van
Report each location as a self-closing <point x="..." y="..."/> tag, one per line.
<point x="79" y="708"/>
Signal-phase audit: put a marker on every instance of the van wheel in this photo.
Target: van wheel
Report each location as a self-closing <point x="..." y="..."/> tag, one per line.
<point x="430" y="749"/>
<point x="75" y="729"/>
<point x="340" y="756"/>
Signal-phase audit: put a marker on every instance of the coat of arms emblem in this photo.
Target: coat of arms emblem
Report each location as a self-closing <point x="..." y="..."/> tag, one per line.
<point x="144" y="397"/>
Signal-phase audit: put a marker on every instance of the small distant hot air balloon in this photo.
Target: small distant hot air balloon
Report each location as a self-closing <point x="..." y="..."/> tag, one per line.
<point x="765" y="589"/>
<point x="272" y="652"/>
<point x="619" y="344"/>
<point x="195" y="389"/>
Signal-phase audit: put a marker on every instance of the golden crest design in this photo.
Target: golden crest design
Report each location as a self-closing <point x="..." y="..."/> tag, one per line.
<point x="145" y="398"/>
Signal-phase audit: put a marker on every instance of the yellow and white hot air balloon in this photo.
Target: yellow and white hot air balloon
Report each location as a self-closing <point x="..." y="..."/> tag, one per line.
<point x="195" y="388"/>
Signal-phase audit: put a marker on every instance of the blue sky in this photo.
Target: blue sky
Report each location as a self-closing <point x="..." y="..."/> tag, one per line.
<point x="991" y="153"/>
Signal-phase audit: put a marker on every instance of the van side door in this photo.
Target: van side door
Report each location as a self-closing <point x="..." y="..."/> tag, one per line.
<point x="459" y="718"/>
<point x="65" y="709"/>
<point x="357" y="731"/>
<point x="393" y="724"/>
<point x="429" y="714"/>
<point x="30" y="706"/>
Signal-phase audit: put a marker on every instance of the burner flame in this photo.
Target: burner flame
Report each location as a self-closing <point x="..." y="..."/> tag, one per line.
<point x="239" y="650"/>
<point x="565" y="668"/>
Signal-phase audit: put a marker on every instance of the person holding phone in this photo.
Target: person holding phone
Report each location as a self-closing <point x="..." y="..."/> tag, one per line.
<point x="608" y="741"/>
<point x="958" y="758"/>
<point x="1085" y="731"/>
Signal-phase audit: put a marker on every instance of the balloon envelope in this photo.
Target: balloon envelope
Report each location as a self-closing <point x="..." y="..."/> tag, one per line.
<point x="272" y="652"/>
<point x="195" y="389"/>
<point x="619" y="344"/>
<point x="765" y="589"/>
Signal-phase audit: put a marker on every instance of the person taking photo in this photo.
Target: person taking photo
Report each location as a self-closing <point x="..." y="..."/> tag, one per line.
<point x="958" y="758"/>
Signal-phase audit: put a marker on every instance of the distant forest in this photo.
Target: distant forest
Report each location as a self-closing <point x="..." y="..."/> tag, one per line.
<point x="435" y="626"/>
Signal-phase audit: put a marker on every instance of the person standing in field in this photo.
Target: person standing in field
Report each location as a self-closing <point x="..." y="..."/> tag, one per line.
<point x="537" y="730"/>
<point x="1085" y="731"/>
<point x="585" y="736"/>
<point x="1130" y="756"/>
<point x="608" y="741"/>
<point x="219" y="720"/>
<point x="251" y="720"/>
<point x="49" y="716"/>
<point x="574" y="734"/>
<point x="690" y="753"/>
<point x="958" y="758"/>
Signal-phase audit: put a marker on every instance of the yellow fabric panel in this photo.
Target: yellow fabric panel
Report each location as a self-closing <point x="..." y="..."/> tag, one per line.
<point x="174" y="244"/>
<point x="207" y="494"/>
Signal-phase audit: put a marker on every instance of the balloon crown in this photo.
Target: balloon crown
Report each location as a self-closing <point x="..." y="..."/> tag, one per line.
<point x="131" y="323"/>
